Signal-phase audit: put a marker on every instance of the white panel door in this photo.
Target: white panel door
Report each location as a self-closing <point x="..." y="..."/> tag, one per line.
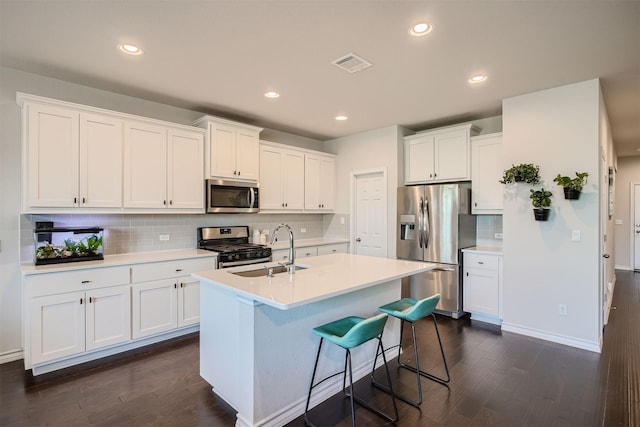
<point x="486" y="172"/>
<point x="371" y="215"/>
<point x="101" y="145"/>
<point x="185" y="170"/>
<point x="419" y="159"/>
<point x="154" y="307"/>
<point x="271" y="178"/>
<point x="247" y="154"/>
<point x="188" y="301"/>
<point x="53" y="139"/>
<point x="293" y="164"/>
<point x="452" y="156"/>
<point x="145" y="166"/>
<point x="636" y="226"/>
<point x="57" y="326"/>
<point x="108" y="316"/>
<point x="312" y="165"/>
<point x="223" y="151"/>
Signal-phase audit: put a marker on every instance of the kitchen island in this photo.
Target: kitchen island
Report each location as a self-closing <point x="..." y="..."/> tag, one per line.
<point x="256" y="344"/>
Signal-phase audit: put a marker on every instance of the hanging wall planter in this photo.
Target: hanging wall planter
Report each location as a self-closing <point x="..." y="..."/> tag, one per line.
<point x="541" y="201"/>
<point x="527" y="173"/>
<point x="572" y="186"/>
<point x="541" y="214"/>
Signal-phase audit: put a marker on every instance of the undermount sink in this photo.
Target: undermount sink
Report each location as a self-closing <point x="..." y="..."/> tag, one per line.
<point x="264" y="270"/>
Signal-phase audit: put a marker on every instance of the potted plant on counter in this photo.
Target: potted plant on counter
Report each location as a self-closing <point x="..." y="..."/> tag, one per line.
<point x="572" y="186"/>
<point x="528" y="173"/>
<point x="541" y="201"/>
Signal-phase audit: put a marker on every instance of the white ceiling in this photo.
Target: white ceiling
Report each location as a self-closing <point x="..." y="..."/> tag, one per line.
<point x="219" y="57"/>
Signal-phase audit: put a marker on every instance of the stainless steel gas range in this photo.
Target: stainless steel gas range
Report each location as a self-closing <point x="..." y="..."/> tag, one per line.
<point x="232" y="245"/>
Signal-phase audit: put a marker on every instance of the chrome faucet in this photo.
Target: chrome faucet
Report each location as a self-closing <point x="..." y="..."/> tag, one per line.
<point x="291" y="265"/>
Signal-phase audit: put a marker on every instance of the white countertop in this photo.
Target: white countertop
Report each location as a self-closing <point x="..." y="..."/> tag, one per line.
<point x="326" y="277"/>
<point x="118" y="260"/>
<point x="484" y="250"/>
<point x="283" y="243"/>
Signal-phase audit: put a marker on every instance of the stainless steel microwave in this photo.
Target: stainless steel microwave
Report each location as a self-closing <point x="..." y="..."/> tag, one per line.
<point x="232" y="197"/>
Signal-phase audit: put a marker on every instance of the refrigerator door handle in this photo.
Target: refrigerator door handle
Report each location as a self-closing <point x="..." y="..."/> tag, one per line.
<point x="420" y="218"/>
<point x="427" y="221"/>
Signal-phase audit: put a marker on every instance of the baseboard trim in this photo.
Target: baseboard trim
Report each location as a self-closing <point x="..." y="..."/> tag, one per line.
<point x="596" y="347"/>
<point x="11" y="356"/>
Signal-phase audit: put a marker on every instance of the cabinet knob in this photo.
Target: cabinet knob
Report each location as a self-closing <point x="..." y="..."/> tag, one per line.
<point x="90" y="300"/>
<point x="84" y="200"/>
<point x="171" y="202"/>
<point x="80" y="301"/>
<point x="286" y="204"/>
<point x="178" y="269"/>
<point x="85" y="281"/>
<point x="164" y="202"/>
<point x="238" y="173"/>
<point x="75" y="200"/>
<point x="480" y="262"/>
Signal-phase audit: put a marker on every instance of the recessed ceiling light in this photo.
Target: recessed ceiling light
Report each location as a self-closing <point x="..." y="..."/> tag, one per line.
<point x="271" y="94"/>
<point x="420" y="29"/>
<point x="130" y="49"/>
<point x="341" y="118"/>
<point x="477" y="78"/>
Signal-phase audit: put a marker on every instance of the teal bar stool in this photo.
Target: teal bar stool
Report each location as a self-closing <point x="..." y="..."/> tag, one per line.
<point x="348" y="333"/>
<point x="409" y="310"/>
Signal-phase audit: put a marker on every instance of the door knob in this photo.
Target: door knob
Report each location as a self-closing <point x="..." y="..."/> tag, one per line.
<point x="605" y="256"/>
<point x="358" y="240"/>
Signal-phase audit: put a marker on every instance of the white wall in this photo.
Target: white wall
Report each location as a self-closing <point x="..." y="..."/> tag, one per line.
<point x="12" y="81"/>
<point x="556" y="129"/>
<point x="376" y="149"/>
<point x="628" y="173"/>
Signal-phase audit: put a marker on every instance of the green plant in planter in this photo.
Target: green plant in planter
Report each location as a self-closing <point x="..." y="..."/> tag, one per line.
<point x="524" y="172"/>
<point x="572" y="186"/>
<point x="541" y="201"/>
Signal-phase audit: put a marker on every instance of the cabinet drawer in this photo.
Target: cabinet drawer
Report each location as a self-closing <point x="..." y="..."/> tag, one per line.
<point x="473" y="260"/>
<point x="280" y="255"/>
<point x="305" y="252"/>
<point x="339" y="248"/>
<point x="77" y="280"/>
<point x="170" y="269"/>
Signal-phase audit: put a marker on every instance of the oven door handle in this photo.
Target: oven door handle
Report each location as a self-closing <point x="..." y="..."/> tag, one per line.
<point x="242" y="262"/>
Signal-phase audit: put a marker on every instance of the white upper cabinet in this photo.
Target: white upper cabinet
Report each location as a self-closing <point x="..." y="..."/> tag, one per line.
<point x="163" y="167"/>
<point x="53" y="139"/>
<point x="73" y="159"/>
<point x="77" y="156"/>
<point x="145" y="170"/>
<point x="439" y="155"/>
<point x="185" y="169"/>
<point x="319" y="182"/>
<point x="486" y="172"/>
<point x="231" y="150"/>
<point x="281" y="178"/>
<point x="101" y="141"/>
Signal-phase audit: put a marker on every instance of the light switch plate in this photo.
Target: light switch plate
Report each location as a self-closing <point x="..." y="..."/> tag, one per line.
<point x="575" y="235"/>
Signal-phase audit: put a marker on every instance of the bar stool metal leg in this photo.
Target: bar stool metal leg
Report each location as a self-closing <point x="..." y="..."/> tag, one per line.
<point x="350" y="394"/>
<point x="416" y="369"/>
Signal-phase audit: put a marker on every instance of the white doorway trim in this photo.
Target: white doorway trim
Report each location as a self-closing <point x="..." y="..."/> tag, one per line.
<point x="353" y="203"/>
<point x="632" y="231"/>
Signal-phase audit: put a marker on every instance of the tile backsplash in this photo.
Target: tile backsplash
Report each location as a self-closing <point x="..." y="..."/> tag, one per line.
<point x="127" y="233"/>
<point x="487" y="228"/>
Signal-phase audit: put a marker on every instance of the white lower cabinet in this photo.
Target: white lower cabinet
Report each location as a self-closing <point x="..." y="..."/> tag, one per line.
<point x="91" y="311"/>
<point x="165" y="297"/>
<point x="79" y="315"/>
<point x="482" y="286"/>
<point x="307" y="251"/>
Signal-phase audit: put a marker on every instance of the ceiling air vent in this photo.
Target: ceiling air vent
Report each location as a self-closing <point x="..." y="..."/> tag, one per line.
<point x="351" y="63"/>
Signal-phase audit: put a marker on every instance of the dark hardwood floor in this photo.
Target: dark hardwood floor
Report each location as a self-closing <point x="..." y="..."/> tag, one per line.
<point x="498" y="379"/>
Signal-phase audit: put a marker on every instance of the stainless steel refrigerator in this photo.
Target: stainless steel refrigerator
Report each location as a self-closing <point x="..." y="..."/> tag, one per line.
<point x="434" y="224"/>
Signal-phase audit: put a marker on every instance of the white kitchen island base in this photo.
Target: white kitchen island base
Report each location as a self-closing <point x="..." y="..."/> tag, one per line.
<point x="257" y="347"/>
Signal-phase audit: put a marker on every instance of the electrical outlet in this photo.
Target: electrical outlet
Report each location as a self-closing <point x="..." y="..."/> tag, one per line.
<point x="341" y="220"/>
<point x="303" y="230"/>
<point x="576" y="236"/>
<point x="562" y="309"/>
<point x="164" y="237"/>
